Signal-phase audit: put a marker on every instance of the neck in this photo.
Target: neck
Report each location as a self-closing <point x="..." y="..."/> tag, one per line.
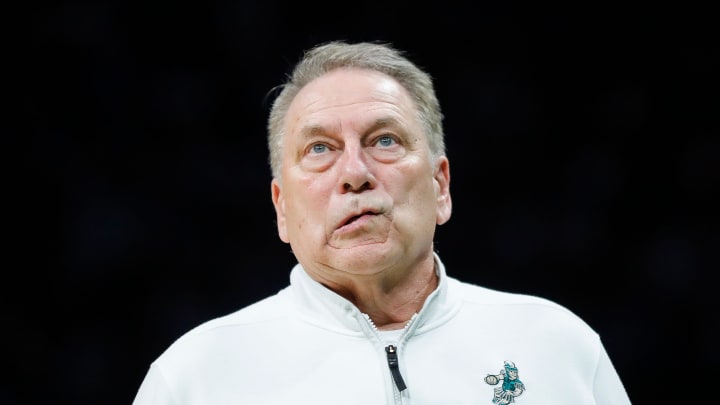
<point x="391" y="300"/>
<point x="391" y="310"/>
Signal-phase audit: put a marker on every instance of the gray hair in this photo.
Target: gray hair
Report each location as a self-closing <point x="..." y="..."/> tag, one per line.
<point x="376" y="56"/>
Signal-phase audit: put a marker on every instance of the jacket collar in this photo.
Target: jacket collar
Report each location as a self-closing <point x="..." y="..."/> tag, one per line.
<point x="318" y="305"/>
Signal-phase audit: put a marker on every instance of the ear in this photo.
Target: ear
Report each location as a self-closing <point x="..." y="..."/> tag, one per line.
<point x="279" y="203"/>
<point x="441" y="179"/>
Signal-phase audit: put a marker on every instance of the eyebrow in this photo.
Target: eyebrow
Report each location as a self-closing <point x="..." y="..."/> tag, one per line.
<point x="312" y="130"/>
<point x="385" y="122"/>
<point x="316" y="130"/>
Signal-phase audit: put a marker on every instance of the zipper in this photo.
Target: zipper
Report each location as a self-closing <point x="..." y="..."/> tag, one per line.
<point x="391" y="352"/>
<point x="392" y="359"/>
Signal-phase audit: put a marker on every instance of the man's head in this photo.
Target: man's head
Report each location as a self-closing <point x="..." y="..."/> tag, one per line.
<point x="373" y="56"/>
<point x="360" y="175"/>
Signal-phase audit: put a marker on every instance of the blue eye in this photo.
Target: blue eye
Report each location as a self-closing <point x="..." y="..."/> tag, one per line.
<point x="386" y="140"/>
<point x="319" y="148"/>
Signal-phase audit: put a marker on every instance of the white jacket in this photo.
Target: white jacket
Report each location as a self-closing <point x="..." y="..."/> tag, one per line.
<point x="308" y="345"/>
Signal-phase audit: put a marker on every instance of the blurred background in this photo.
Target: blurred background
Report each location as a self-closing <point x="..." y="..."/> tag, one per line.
<point x="584" y="158"/>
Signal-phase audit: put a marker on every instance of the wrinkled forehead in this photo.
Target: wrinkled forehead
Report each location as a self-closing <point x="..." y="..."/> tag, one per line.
<point x="345" y="91"/>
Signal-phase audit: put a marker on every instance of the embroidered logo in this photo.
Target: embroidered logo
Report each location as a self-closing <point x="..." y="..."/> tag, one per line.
<point x="511" y="386"/>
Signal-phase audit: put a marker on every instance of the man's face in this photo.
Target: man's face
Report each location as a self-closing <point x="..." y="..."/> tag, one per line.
<point x="359" y="193"/>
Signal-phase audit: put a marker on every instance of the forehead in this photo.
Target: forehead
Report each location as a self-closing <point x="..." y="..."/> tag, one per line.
<point x="350" y="91"/>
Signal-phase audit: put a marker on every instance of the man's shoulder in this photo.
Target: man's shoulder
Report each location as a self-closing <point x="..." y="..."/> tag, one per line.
<point x="266" y="310"/>
<point x="484" y="299"/>
<point x="257" y="319"/>
<point x="473" y="293"/>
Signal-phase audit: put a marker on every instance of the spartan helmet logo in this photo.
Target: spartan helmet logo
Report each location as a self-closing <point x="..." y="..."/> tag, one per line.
<point x="511" y="386"/>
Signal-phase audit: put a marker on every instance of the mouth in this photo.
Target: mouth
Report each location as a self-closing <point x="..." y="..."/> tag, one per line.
<point x="355" y="216"/>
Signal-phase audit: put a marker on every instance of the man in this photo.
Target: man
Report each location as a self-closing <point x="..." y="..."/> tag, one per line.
<point x="360" y="181"/>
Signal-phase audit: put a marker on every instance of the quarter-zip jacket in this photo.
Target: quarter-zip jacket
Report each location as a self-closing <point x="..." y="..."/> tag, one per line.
<point x="309" y="345"/>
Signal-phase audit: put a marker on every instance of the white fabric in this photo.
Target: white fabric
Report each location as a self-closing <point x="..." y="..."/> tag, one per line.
<point x="390" y="336"/>
<point x="308" y="345"/>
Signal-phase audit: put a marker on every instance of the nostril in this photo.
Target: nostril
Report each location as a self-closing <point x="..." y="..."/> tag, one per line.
<point x="350" y="187"/>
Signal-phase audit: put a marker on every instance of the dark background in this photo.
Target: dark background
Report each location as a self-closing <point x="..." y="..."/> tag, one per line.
<point x="583" y="145"/>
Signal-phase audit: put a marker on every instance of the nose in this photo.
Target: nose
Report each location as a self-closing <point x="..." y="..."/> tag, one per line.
<point x="355" y="174"/>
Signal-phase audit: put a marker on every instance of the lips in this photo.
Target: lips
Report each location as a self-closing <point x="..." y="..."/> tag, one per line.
<point x="355" y="216"/>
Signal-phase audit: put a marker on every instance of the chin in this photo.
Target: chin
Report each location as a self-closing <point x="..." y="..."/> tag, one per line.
<point x="364" y="259"/>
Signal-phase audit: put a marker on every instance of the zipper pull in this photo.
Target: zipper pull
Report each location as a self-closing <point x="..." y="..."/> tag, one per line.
<point x="395" y="367"/>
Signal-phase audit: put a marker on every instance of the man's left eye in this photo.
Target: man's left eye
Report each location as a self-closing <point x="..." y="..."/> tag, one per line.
<point x="385" y="140"/>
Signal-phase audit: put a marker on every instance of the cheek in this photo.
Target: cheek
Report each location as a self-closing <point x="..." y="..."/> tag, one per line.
<point x="415" y="200"/>
<point x="308" y="203"/>
<point x="419" y="188"/>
